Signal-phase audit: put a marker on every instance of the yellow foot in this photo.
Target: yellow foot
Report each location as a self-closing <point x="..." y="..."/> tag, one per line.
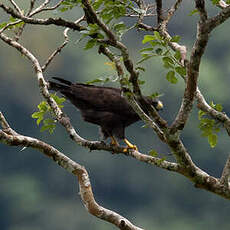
<point x="114" y="141"/>
<point x="129" y="146"/>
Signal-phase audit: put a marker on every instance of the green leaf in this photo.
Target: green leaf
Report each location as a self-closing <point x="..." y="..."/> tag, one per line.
<point x="90" y="44"/>
<point x="145" y="57"/>
<point x="168" y="59"/>
<point x="157" y="35"/>
<point x="3" y="25"/>
<point x="68" y="5"/>
<point x="193" y="12"/>
<point x="219" y="107"/>
<point x="154" y="43"/>
<point x="212" y="140"/>
<point x="97" y="4"/>
<point x="175" y="38"/>
<point x="119" y="26"/>
<point x="153" y="153"/>
<point x="168" y="62"/>
<point x="58" y="100"/>
<point x="161" y="160"/>
<point x="177" y="55"/>
<point x="156" y="94"/>
<point x="209" y="127"/>
<point x="201" y="114"/>
<point x="43" y="106"/>
<point x="48" y="124"/>
<point x="37" y="114"/>
<point x="215" y="2"/>
<point x="181" y="70"/>
<point x="141" y="82"/>
<point x="146" y="49"/>
<point x="148" y="38"/>
<point x="158" y="51"/>
<point x="171" y="77"/>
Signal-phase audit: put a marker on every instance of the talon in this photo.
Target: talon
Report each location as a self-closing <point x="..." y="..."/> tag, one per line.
<point x="129" y="146"/>
<point x="114" y="141"/>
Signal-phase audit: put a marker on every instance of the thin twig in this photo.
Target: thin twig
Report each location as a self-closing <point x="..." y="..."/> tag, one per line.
<point x="44" y="8"/>
<point x="16" y="7"/>
<point x="219" y="116"/>
<point x="48" y="21"/>
<point x="59" y="49"/>
<point x="172" y="11"/>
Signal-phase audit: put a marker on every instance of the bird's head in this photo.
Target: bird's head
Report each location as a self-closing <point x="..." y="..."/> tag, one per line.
<point x="157" y="104"/>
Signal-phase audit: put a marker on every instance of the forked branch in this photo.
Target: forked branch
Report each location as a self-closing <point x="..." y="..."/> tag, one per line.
<point x="14" y="139"/>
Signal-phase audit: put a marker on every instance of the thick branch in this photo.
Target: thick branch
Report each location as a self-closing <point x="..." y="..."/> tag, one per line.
<point x="159" y="11"/>
<point x="187" y="168"/>
<point x="192" y="76"/>
<point x="71" y="166"/>
<point x="200" y="6"/>
<point x="220" y="18"/>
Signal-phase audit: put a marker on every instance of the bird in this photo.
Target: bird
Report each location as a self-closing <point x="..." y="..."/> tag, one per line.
<point x="103" y="106"/>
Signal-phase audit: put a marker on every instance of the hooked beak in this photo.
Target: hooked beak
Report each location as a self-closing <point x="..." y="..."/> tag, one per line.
<point x="159" y="105"/>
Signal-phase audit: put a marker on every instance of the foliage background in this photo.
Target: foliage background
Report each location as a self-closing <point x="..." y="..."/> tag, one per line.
<point x="37" y="194"/>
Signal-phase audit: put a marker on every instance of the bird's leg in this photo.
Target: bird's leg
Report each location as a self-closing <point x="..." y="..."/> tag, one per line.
<point x="129" y="146"/>
<point x="114" y="141"/>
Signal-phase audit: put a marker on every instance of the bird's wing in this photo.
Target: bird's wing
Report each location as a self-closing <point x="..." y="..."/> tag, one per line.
<point x="98" y="98"/>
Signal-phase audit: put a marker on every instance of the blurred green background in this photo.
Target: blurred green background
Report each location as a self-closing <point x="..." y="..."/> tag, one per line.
<point x="37" y="194"/>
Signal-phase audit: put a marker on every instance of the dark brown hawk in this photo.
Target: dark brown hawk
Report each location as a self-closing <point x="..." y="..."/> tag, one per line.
<point x="103" y="106"/>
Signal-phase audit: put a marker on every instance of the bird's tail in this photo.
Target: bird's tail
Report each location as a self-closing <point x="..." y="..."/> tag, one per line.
<point x="59" y="87"/>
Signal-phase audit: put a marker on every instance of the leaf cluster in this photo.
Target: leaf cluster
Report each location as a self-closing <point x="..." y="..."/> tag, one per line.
<point x="159" y="47"/>
<point x="210" y="127"/>
<point x="11" y="20"/>
<point x="110" y="9"/>
<point x="68" y="5"/>
<point x="43" y="110"/>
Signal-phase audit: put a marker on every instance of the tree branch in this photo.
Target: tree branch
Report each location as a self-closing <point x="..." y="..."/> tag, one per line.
<point x="159" y="12"/>
<point x="200" y="6"/>
<point x="220" y="18"/>
<point x="61" y="117"/>
<point x="192" y="77"/>
<point x="160" y="121"/>
<point x="71" y="166"/>
<point x="172" y="11"/>
<point x="48" y="21"/>
<point x="114" y="42"/>
<point x="16" y="7"/>
<point x="226" y="174"/>
<point x="219" y="116"/>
